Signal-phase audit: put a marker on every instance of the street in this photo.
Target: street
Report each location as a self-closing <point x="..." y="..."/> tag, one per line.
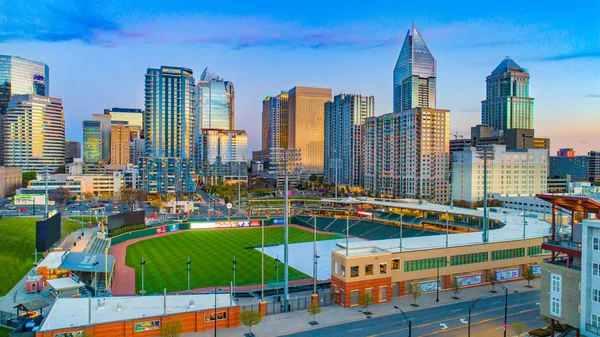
<point x="487" y="319"/>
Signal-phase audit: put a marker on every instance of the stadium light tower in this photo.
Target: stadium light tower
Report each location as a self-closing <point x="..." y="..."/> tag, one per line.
<point x="485" y="152"/>
<point x="286" y="161"/>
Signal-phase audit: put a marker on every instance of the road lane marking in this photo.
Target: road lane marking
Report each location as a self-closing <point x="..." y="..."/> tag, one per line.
<point x="456" y="310"/>
<point x="355" y="330"/>
<point x="496" y="302"/>
<point x="443" y="326"/>
<point x="472" y="315"/>
<point x="464" y="321"/>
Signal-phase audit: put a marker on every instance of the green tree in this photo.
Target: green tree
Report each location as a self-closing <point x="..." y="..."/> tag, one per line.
<point x="27" y="177"/>
<point x="171" y="328"/>
<point x="415" y="292"/>
<point x="130" y="196"/>
<point x="455" y="285"/>
<point x="518" y="328"/>
<point x="250" y="318"/>
<point x="313" y="178"/>
<point x="529" y="276"/>
<point x="314" y="309"/>
<point x="60" y="195"/>
<point x="366" y="299"/>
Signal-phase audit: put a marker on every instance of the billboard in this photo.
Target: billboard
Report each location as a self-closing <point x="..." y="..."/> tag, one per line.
<point x="126" y="222"/>
<point x="278" y="221"/>
<point x="469" y="280"/>
<point x="507" y="274"/>
<point x="202" y="225"/>
<point x="146" y="326"/>
<point x="47" y="232"/>
<point x="161" y="230"/>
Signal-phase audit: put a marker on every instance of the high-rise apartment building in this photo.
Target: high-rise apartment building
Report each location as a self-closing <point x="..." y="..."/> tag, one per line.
<point x="133" y="117"/>
<point x="92" y="142"/>
<point x="275" y="123"/>
<point x="414" y="74"/>
<point x="224" y="155"/>
<point x="593" y="174"/>
<point x="169" y="129"/>
<point x="344" y="130"/>
<point x="34" y="133"/>
<point x="106" y="125"/>
<point x="406" y="155"/>
<point x="507" y="104"/>
<point x="136" y="150"/>
<point x="120" y="135"/>
<point x="19" y="76"/>
<point x="72" y="151"/>
<point x="510" y="173"/>
<point x="306" y="124"/>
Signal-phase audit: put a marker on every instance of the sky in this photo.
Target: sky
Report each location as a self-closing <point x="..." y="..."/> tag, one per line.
<point x="98" y="53"/>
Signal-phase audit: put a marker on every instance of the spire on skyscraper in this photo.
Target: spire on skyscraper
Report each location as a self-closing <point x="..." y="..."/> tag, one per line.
<point x="507" y="65"/>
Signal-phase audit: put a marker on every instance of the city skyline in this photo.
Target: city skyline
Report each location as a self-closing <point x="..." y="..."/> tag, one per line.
<point x="343" y="52"/>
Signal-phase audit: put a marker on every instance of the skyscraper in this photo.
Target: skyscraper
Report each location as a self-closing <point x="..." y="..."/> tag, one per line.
<point x="344" y="130"/>
<point x="507" y="104"/>
<point x="414" y="74"/>
<point x="34" y="133"/>
<point x="224" y="155"/>
<point x="169" y="128"/>
<point x="120" y="144"/>
<point x="72" y="150"/>
<point x="19" y="76"/>
<point x="215" y="102"/>
<point x="133" y="117"/>
<point x="306" y="124"/>
<point x="106" y="123"/>
<point x="92" y="142"/>
<point x="275" y="122"/>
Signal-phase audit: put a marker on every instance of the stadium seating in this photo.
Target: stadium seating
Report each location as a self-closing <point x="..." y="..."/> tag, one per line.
<point x="97" y="246"/>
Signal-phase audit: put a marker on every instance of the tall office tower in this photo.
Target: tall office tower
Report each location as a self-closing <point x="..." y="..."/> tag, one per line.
<point x="106" y="124"/>
<point x="344" y="131"/>
<point x="414" y="74"/>
<point x="169" y="129"/>
<point x="306" y="125"/>
<point x="593" y="174"/>
<point x="215" y="99"/>
<point x="19" y="76"/>
<point x="406" y="154"/>
<point x="136" y="150"/>
<point x="275" y="122"/>
<point x="72" y="151"/>
<point x="92" y="142"/>
<point x="224" y="155"/>
<point x="507" y="104"/>
<point x="133" y="117"/>
<point x="34" y="133"/>
<point x="120" y="138"/>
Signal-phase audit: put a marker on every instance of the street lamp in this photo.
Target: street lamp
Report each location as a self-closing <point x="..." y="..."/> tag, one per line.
<point x="437" y="288"/>
<point x="315" y="256"/>
<point x="485" y="152"/>
<point x="505" y="307"/>
<point x="277" y="277"/>
<point x="408" y="322"/>
<point x="286" y="161"/>
<point x="447" y="228"/>
<point x="471" y="309"/>
<point x="216" y="310"/>
<point x="142" y="264"/>
<point x="234" y="263"/>
<point x="96" y="278"/>
<point x="189" y="269"/>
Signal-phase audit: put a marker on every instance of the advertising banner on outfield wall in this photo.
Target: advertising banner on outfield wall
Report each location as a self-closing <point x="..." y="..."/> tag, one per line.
<point x="254" y="223"/>
<point x="202" y="225"/>
<point x="161" y="230"/>
<point x="174" y="227"/>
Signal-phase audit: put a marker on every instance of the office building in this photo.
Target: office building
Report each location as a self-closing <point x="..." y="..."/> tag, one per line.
<point x="344" y="130"/>
<point x="10" y="180"/>
<point x="511" y="172"/>
<point x="275" y="123"/>
<point x="406" y="155"/>
<point x="133" y="117"/>
<point x="119" y="144"/>
<point x="19" y="76"/>
<point x="507" y="104"/>
<point x="137" y="148"/>
<point x="567" y="162"/>
<point x="169" y="130"/>
<point x="34" y="133"/>
<point x="72" y="151"/>
<point x="593" y="166"/>
<point x="414" y="74"/>
<point x="306" y="124"/>
<point x="105" y="127"/>
<point x="92" y="142"/>
<point x="224" y="155"/>
<point x="215" y="102"/>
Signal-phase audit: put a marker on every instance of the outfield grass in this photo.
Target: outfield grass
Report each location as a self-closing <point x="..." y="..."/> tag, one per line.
<point x="17" y="248"/>
<point x="4" y="332"/>
<point x="212" y="254"/>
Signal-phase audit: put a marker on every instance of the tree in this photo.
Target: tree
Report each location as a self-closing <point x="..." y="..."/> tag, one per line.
<point x="171" y="328"/>
<point x="60" y="195"/>
<point x="314" y="309"/>
<point x="415" y="292"/>
<point x="518" y="328"/>
<point x="250" y="318"/>
<point x="26" y="177"/>
<point x="366" y="299"/>
<point x="455" y="285"/>
<point x="529" y="276"/>
<point x="130" y="196"/>
<point x="88" y="195"/>
<point x="493" y="281"/>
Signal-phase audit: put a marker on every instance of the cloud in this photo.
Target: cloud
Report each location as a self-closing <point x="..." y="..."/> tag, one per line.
<point x="572" y="56"/>
<point x="593" y="95"/>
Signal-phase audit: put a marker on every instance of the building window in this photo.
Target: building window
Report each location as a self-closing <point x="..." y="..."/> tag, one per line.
<point x="596" y="269"/>
<point x="555" y="306"/>
<point x="336" y="266"/>
<point x="595" y="295"/>
<point x="395" y="264"/>
<point x="508" y="254"/>
<point x="424" y="264"/>
<point x="354" y="298"/>
<point x="534" y="250"/>
<point x="555" y="294"/>
<point x="596" y="245"/>
<point x="343" y="271"/>
<point x="369" y="270"/>
<point x="595" y="321"/>
<point x="555" y="283"/>
<point x="383" y="268"/>
<point x="457" y="260"/>
<point x="354" y="271"/>
<point x="382" y="294"/>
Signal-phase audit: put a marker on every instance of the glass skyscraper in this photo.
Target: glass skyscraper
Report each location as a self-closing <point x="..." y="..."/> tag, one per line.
<point x="169" y="129"/>
<point x="34" y="133"/>
<point x="92" y="142"/>
<point x="215" y="102"/>
<point x="414" y="74"/>
<point x="507" y="104"/>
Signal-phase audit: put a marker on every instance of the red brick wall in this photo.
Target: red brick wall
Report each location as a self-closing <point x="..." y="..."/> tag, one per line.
<point x="361" y="286"/>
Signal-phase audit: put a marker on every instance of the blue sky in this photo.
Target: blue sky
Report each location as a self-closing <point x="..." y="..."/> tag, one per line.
<point x="98" y="52"/>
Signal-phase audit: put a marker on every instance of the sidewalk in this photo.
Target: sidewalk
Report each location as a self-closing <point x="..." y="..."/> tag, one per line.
<point x="281" y="324"/>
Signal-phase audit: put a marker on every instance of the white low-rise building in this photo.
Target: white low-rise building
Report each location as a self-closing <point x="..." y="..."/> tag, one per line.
<point x="510" y="173"/>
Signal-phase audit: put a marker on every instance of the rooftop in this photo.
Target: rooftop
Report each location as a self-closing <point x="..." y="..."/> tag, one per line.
<point x="507" y="65"/>
<point x="73" y="312"/>
<point x="64" y="283"/>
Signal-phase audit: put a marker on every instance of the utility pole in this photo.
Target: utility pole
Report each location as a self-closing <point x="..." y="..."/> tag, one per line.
<point x="142" y="264"/>
<point x="485" y="152"/>
<point x="401" y="231"/>
<point x="262" y="261"/>
<point x="189" y="269"/>
<point x="315" y="255"/>
<point x="234" y="265"/>
<point x="46" y="183"/>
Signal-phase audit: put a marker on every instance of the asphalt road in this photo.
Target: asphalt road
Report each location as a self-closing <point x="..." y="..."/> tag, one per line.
<point x="487" y="319"/>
